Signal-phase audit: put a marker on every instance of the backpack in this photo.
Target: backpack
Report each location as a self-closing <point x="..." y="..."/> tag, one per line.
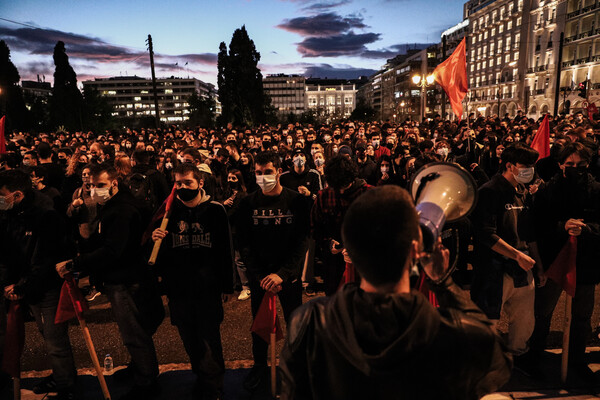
<point x="142" y="189"/>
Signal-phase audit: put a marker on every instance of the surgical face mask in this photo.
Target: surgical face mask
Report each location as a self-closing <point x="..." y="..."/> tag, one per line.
<point x="299" y="162"/>
<point x="100" y="195"/>
<point x="385" y="170"/>
<point x="313" y="151"/>
<point x="443" y="151"/>
<point x="289" y="141"/>
<point x="525" y="175"/>
<point x="7" y="202"/>
<point x="319" y="162"/>
<point x="327" y="138"/>
<point x="28" y="163"/>
<point x="266" y="182"/>
<point x="169" y="165"/>
<point x="376" y="143"/>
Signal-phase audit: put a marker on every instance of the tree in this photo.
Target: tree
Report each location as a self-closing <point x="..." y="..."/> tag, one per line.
<point x="240" y="81"/>
<point x="12" y="103"/>
<point x="202" y="110"/>
<point x="67" y="102"/>
<point x="363" y="112"/>
<point x="96" y="112"/>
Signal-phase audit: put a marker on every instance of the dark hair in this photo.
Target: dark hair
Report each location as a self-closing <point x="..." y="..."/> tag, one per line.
<point x="44" y="150"/>
<point x="340" y="171"/>
<point x="68" y="152"/>
<point x="185" y="168"/>
<point x="98" y="169"/>
<point x="109" y="151"/>
<point x="396" y="226"/>
<point x="40" y="172"/>
<point x="141" y="157"/>
<point x="14" y="180"/>
<point x="240" y="178"/>
<point x="265" y="157"/>
<point x="519" y="153"/>
<point x="571" y="148"/>
<point x="192" y="152"/>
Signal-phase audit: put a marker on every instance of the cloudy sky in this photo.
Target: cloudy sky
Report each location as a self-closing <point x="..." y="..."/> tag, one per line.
<point x="319" y="38"/>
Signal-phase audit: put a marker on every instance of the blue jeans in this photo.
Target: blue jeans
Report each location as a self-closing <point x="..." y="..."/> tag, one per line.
<point x="56" y="339"/>
<point x="132" y="308"/>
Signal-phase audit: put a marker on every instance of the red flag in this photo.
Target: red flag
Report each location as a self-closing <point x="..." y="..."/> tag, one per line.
<point x="266" y="320"/>
<point x="349" y="275"/>
<point x="164" y="209"/>
<point x="451" y="75"/>
<point x="71" y="303"/>
<point x="423" y="287"/>
<point x="13" y="340"/>
<point x="541" y="141"/>
<point x="562" y="270"/>
<point x="2" y="139"/>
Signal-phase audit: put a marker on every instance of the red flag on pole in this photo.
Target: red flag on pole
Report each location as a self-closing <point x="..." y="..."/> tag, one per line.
<point x="562" y="270"/>
<point x="451" y="75"/>
<point x="71" y="303"/>
<point x="541" y="141"/>
<point x="266" y="320"/>
<point x="2" y="139"/>
<point x="349" y="275"/>
<point x="13" y="340"/>
<point x="164" y="209"/>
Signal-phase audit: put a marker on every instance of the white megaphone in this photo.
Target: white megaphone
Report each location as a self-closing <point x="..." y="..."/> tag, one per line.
<point x="443" y="192"/>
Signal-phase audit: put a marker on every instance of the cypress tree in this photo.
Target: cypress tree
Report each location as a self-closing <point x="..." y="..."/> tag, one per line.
<point x="66" y="103"/>
<point x="12" y="103"/>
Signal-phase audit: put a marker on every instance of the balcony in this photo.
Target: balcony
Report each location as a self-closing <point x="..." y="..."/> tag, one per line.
<point x="567" y="64"/>
<point x="582" y="60"/>
<point x="595" y="58"/>
<point x="540" y="68"/>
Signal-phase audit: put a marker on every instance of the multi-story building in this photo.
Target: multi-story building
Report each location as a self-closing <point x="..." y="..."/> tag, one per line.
<point x="132" y="96"/>
<point x="331" y="98"/>
<point x="547" y="21"/>
<point x="581" y="53"/>
<point x="36" y="91"/>
<point x="497" y="42"/>
<point x="286" y="93"/>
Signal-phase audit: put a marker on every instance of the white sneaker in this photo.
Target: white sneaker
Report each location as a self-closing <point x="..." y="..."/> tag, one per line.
<point x="244" y="294"/>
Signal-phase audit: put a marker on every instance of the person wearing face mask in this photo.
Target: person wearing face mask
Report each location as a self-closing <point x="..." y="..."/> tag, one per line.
<point x="117" y="266"/>
<point x="30" y="159"/>
<point x="300" y="178"/>
<point x="319" y="161"/>
<point x="366" y="167"/>
<point x="568" y="206"/>
<point x="506" y="252"/>
<point x="272" y="227"/>
<point x="82" y="209"/>
<point x="196" y="266"/>
<point x="31" y="242"/>
<point x="378" y="149"/>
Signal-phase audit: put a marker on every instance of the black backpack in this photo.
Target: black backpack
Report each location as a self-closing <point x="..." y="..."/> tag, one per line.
<point x="142" y="189"/>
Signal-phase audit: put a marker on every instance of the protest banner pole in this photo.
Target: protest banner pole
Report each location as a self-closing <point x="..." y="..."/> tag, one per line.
<point x="163" y="225"/>
<point x="564" y="361"/>
<point x="17" y="388"/>
<point x="273" y="366"/>
<point x="94" y="356"/>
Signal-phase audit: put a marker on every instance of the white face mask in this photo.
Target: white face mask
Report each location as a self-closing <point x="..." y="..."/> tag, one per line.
<point x="299" y="162"/>
<point x="443" y="151"/>
<point x="28" y="163"/>
<point x="385" y="170"/>
<point x="100" y="195"/>
<point x="525" y="175"/>
<point x="266" y="182"/>
<point x="319" y="162"/>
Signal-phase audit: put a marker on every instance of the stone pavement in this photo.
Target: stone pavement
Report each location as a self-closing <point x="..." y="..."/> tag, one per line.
<point x="177" y="380"/>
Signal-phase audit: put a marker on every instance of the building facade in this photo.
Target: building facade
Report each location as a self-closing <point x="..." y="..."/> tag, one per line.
<point x="547" y="21"/>
<point x="331" y="98"/>
<point x="496" y="46"/>
<point x="581" y="54"/>
<point x="286" y="93"/>
<point x="132" y="96"/>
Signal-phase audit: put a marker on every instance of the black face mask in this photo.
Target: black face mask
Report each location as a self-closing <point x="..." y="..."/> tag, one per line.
<point x="186" y="194"/>
<point x="62" y="161"/>
<point x="234" y="185"/>
<point x="576" y="175"/>
<point x="389" y="145"/>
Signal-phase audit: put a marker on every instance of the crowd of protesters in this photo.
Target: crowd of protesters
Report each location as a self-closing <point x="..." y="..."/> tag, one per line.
<point x="261" y="210"/>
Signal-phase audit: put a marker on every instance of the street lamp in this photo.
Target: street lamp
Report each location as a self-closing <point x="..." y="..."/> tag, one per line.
<point x="423" y="82"/>
<point x="510" y="64"/>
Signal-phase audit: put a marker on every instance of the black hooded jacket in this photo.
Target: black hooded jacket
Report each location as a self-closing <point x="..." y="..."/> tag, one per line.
<point x="359" y="345"/>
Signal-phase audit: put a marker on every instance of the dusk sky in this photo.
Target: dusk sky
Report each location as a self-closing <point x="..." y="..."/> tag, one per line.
<point x="319" y="38"/>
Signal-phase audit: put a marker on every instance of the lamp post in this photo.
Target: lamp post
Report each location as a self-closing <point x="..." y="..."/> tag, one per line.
<point x="510" y="64"/>
<point x="423" y="82"/>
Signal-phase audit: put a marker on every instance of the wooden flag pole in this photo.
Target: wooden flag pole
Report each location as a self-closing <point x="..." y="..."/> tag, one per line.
<point x="156" y="248"/>
<point x="94" y="356"/>
<point x="273" y="366"/>
<point x="17" y="388"/>
<point x="564" y="362"/>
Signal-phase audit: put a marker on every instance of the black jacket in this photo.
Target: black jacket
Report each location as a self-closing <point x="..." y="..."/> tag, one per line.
<point x="196" y="257"/>
<point x="32" y="241"/>
<point x="358" y="345"/>
<point x="559" y="201"/>
<point x="115" y="254"/>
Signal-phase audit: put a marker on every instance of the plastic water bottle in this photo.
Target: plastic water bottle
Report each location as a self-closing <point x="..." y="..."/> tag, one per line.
<point x="108" y="364"/>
